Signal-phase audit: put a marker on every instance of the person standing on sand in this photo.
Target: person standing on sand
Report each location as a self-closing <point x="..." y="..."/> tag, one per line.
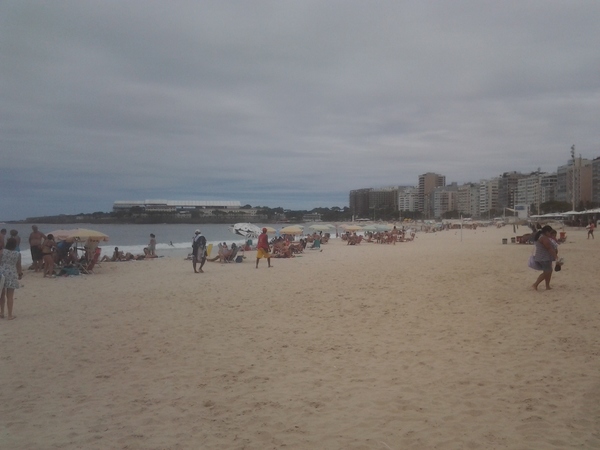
<point x="198" y="251"/>
<point x="152" y="246"/>
<point x="35" y="244"/>
<point x="48" y="250"/>
<point x="10" y="267"/>
<point x="544" y="255"/>
<point x="590" y="228"/>
<point x="262" y="248"/>
<point x="15" y="234"/>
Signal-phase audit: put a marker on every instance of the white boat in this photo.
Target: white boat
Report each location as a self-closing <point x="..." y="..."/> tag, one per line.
<point x="246" y="230"/>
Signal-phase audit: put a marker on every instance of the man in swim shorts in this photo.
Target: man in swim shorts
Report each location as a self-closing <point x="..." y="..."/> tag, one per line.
<point x="262" y="248"/>
<point x="35" y="244"/>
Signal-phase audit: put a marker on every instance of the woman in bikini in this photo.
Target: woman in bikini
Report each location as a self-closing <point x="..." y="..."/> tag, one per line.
<point x="48" y="248"/>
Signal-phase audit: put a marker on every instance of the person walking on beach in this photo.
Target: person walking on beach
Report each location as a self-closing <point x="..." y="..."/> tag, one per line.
<point x="544" y="255"/>
<point x="198" y="251"/>
<point x="590" y="229"/>
<point x="262" y="248"/>
<point x="35" y="244"/>
<point x="10" y="269"/>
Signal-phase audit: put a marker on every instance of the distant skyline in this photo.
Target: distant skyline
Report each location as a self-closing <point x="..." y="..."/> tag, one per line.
<point x="290" y="104"/>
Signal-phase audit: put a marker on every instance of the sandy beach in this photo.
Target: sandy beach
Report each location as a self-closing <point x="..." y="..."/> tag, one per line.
<point x="433" y="344"/>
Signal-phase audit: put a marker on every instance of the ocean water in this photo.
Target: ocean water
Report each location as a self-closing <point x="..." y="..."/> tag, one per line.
<point x="173" y="240"/>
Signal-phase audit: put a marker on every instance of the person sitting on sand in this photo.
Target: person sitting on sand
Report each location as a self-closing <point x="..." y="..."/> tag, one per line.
<point x="72" y="257"/>
<point x="148" y="254"/>
<point x="298" y="247"/>
<point x="224" y="253"/>
<point x="282" y="249"/>
<point x="354" y="239"/>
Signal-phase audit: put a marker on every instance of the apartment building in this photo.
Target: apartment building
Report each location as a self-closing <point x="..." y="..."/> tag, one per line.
<point x="427" y="183"/>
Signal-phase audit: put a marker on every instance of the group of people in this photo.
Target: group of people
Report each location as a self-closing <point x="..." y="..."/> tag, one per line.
<point x="263" y="250"/>
<point x="352" y="238"/>
<point x="149" y="253"/>
<point x="283" y="248"/>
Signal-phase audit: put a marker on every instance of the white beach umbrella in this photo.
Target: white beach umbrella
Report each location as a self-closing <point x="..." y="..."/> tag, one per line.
<point x="370" y="228"/>
<point x="353" y="228"/>
<point x="321" y="227"/>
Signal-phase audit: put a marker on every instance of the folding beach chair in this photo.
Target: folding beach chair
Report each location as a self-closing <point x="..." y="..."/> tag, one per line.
<point x="88" y="267"/>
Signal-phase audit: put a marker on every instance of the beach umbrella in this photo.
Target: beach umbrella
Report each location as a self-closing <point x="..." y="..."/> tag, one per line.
<point x="270" y="230"/>
<point x="247" y="230"/>
<point x="78" y="235"/>
<point x="353" y="228"/>
<point x="384" y="227"/>
<point x="370" y="228"/>
<point x="292" y="229"/>
<point x="321" y="227"/>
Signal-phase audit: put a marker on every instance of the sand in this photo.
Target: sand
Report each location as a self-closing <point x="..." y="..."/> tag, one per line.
<point x="433" y="344"/>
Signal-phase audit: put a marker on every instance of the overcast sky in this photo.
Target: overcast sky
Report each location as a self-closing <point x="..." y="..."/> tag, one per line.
<point x="285" y="103"/>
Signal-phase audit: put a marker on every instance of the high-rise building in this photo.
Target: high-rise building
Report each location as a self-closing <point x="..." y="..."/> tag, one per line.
<point x="596" y="181"/>
<point x="468" y="200"/>
<point x="574" y="182"/>
<point x="536" y="189"/>
<point x="507" y="189"/>
<point x="444" y="199"/>
<point x="359" y="202"/>
<point x="407" y="199"/>
<point x="383" y="200"/>
<point x="427" y="183"/>
<point x="488" y="196"/>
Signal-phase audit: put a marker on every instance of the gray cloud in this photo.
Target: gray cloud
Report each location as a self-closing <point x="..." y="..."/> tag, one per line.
<point x="285" y="104"/>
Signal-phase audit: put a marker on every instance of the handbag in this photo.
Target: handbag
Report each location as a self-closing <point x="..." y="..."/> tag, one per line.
<point x="534" y="264"/>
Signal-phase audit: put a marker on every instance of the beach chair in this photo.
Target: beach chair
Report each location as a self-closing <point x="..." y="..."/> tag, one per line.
<point x="233" y="254"/>
<point x="88" y="267"/>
